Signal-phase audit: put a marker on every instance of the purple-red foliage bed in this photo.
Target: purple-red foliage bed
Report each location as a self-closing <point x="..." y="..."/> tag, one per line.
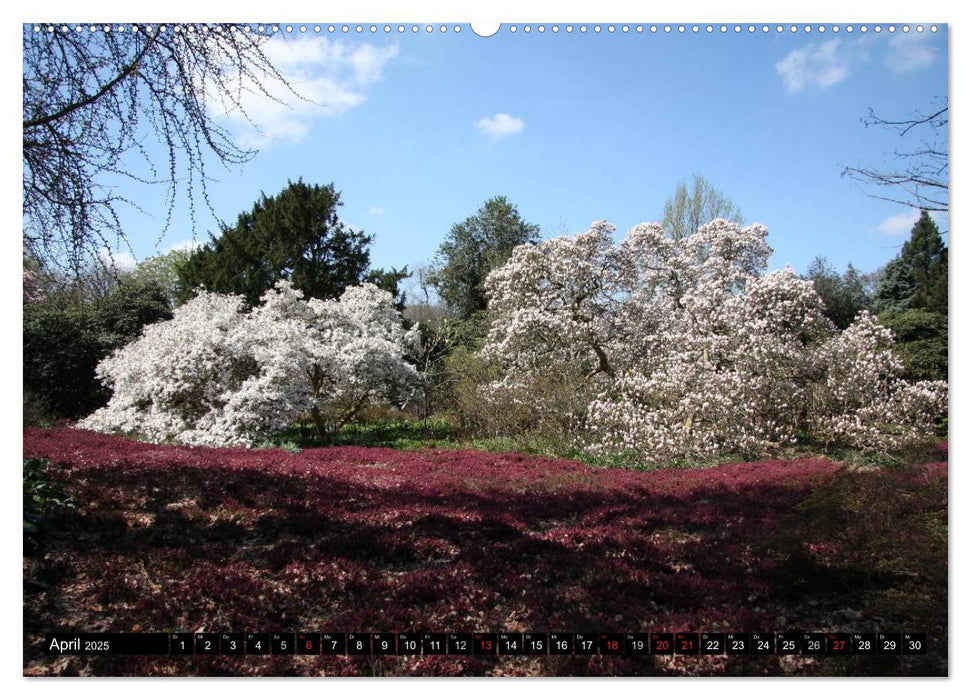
<point x="349" y="539"/>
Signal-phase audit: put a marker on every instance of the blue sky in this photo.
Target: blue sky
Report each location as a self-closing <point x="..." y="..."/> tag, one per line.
<point x="417" y="130"/>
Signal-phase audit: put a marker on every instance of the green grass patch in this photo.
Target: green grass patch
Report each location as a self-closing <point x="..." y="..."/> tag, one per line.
<point x="443" y="432"/>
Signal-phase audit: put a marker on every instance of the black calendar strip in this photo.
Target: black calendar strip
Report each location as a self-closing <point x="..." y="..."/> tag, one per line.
<point x="488" y="643"/>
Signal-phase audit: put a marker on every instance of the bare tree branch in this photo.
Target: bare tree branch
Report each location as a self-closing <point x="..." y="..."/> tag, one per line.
<point x="938" y="118"/>
<point x="103" y="107"/>
<point x="922" y="173"/>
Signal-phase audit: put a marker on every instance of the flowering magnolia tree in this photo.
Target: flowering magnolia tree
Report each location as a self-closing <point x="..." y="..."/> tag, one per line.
<point x="32" y="287"/>
<point x="685" y="348"/>
<point x="214" y="375"/>
<point x="863" y="401"/>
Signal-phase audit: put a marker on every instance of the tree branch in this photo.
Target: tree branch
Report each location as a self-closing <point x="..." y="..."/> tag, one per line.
<point x="91" y="99"/>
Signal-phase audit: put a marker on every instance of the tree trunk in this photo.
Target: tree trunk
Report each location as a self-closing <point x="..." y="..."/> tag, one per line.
<point x="320" y="429"/>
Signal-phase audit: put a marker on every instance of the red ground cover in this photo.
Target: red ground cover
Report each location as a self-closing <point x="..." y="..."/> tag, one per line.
<point x="347" y="539"/>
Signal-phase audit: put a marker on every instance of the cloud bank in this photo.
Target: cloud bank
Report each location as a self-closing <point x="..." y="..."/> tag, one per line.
<point x="331" y="76"/>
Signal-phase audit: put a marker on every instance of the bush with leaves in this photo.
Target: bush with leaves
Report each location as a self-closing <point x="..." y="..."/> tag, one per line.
<point x="43" y="498"/>
<point x="921" y="342"/>
<point x="62" y="347"/>
<point x="64" y="341"/>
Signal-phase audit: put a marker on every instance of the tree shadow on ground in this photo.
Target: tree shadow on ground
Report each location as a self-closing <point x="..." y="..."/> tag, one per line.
<point x="197" y="547"/>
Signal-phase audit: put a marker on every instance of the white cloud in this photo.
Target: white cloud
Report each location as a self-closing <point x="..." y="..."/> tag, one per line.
<point x="899" y="224"/>
<point x="368" y="62"/>
<point x="499" y="126"/>
<point x="821" y="66"/>
<point x="910" y="52"/>
<point x="187" y="245"/>
<point x="122" y="261"/>
<point x="376" y="211"/>
<point x="331" y="76"/>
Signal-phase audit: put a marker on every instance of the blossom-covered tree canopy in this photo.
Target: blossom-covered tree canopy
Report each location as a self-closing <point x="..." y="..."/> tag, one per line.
<point x="214" y="375"/>
<point x="687" y="348"/>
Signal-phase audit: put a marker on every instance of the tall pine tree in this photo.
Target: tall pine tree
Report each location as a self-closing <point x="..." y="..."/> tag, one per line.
<point x="911" y="298"/>
<point x="927" y="256"/>
<point x="917" y="277"/>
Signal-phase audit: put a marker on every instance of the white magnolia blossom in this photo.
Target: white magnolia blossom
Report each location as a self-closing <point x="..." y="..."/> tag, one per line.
<point x="32" y="287"/>
<point x="686" y="348"/>
<point x="213" y="375"/>
<point x="864" y="401"/>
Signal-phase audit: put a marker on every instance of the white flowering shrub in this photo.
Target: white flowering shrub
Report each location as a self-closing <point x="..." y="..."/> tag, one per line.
<point x="863" y="401"/>
<point x="214" y="375"/>
<point x="357" y="350"/>
<point x="687" y="349"/>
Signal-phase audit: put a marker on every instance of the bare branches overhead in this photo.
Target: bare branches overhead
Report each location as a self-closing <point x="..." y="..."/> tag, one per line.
<point x="918" y="175"/>
<point x="136" y="104"/>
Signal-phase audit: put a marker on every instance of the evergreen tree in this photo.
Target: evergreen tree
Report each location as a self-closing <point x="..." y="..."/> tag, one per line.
<point x="843" y="296"/>
<point x="295" y="235"/>
<point x="917" y="277"/>
<point x="912" y="301"/>
<point x="927" y="257"/>
<point x="472" y="249"/>
<point x="895" y="288"/>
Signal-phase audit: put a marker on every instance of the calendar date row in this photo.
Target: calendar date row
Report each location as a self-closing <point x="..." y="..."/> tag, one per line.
<point x="489" y="643"/>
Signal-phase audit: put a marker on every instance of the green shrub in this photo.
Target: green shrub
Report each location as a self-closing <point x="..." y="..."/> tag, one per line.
<point x="43" y="498"/>
<point x="921" y="342"/>
<point x="62" y="347"/>
<point x="129" y="308"/>
<point x="64" y="342"/>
